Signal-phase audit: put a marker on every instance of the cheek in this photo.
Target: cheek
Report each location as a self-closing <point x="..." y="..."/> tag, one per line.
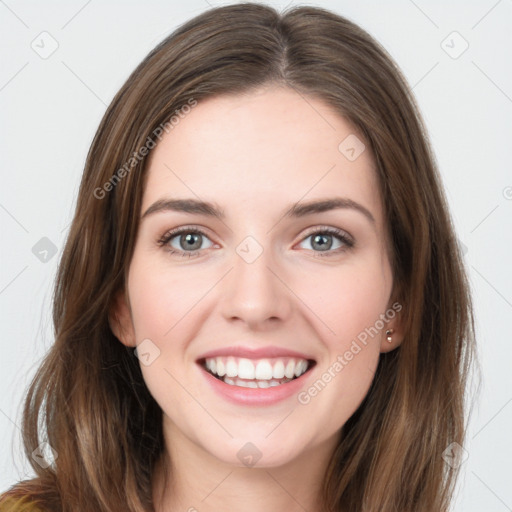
<point x="162" y="310"/>
<point x="353" y="299"/>
<point x="161" y="299"/>
<point x="352" y="305"/>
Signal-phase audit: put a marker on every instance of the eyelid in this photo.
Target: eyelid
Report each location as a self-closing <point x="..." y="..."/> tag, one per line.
<point x="331" y="230"/>
<point x="172" y="233"/>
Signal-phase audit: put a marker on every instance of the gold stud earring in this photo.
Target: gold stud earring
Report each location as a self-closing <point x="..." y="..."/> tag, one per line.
<point x="389" y="332"/>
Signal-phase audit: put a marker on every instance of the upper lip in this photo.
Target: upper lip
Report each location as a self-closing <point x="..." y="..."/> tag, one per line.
<point x="255" y="353"/>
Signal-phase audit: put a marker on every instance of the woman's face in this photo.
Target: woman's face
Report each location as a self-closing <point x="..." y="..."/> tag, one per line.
<point x="259" y="291"/>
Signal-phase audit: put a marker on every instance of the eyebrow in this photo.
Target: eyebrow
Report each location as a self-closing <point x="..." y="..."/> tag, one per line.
<point x="297" y="210"/>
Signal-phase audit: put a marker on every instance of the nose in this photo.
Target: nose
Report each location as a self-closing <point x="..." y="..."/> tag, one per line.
<point x="253" y="292"/>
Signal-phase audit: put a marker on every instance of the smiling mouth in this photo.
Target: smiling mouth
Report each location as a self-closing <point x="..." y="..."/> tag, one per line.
<point x="259" y="373"/>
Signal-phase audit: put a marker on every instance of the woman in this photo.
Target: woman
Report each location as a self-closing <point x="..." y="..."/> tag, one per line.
<point x="214" y="349"/>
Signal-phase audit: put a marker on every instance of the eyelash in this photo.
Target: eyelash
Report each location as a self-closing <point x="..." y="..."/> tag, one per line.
<point x="337" y="233"/>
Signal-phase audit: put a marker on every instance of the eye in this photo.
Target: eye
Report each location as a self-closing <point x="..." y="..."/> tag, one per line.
<point x="322" y="241"/>
<point x="188" y="241"/>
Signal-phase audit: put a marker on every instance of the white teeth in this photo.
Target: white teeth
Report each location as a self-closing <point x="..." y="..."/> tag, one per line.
<point x="262" y="370"/>
<point x="246" y="369"/>
<point x="300" y="368"/>
<point x="278" y="370"/>
<point x="231" y="368"/>
<point x="221" y="369"/>
<point x="211" y="364"/>
<point x="290" y="369"/>
<point x="253" y="383"/>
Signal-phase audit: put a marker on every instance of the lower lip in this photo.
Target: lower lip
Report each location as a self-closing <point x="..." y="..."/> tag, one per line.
<point x="255" y="396"/>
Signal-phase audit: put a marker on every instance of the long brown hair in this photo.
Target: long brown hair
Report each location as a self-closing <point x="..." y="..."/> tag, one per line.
<point x="88" y="399"/>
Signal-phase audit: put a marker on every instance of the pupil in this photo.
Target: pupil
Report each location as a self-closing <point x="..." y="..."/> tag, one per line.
<point x="190" y="241"/>
<point x="318" y="238"/>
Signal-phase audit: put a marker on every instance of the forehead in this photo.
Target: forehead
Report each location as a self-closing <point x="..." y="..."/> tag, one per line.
<point x="270" y="148"/>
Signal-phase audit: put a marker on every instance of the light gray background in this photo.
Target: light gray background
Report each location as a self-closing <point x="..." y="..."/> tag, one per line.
<point x="51" y="108"/>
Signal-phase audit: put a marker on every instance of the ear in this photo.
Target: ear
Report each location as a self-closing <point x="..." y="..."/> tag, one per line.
<point x="393" y="331"/>
<point x="120" y="320"/>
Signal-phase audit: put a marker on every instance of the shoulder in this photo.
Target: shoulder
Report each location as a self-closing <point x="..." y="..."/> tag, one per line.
<point x="14" y="501"/>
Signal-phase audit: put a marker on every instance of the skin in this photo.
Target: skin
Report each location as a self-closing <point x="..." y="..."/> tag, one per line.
<point x="255" y="155"/>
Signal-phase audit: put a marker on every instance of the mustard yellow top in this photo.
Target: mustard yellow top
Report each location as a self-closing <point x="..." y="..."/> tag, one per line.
<point x="9" y="503"/>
